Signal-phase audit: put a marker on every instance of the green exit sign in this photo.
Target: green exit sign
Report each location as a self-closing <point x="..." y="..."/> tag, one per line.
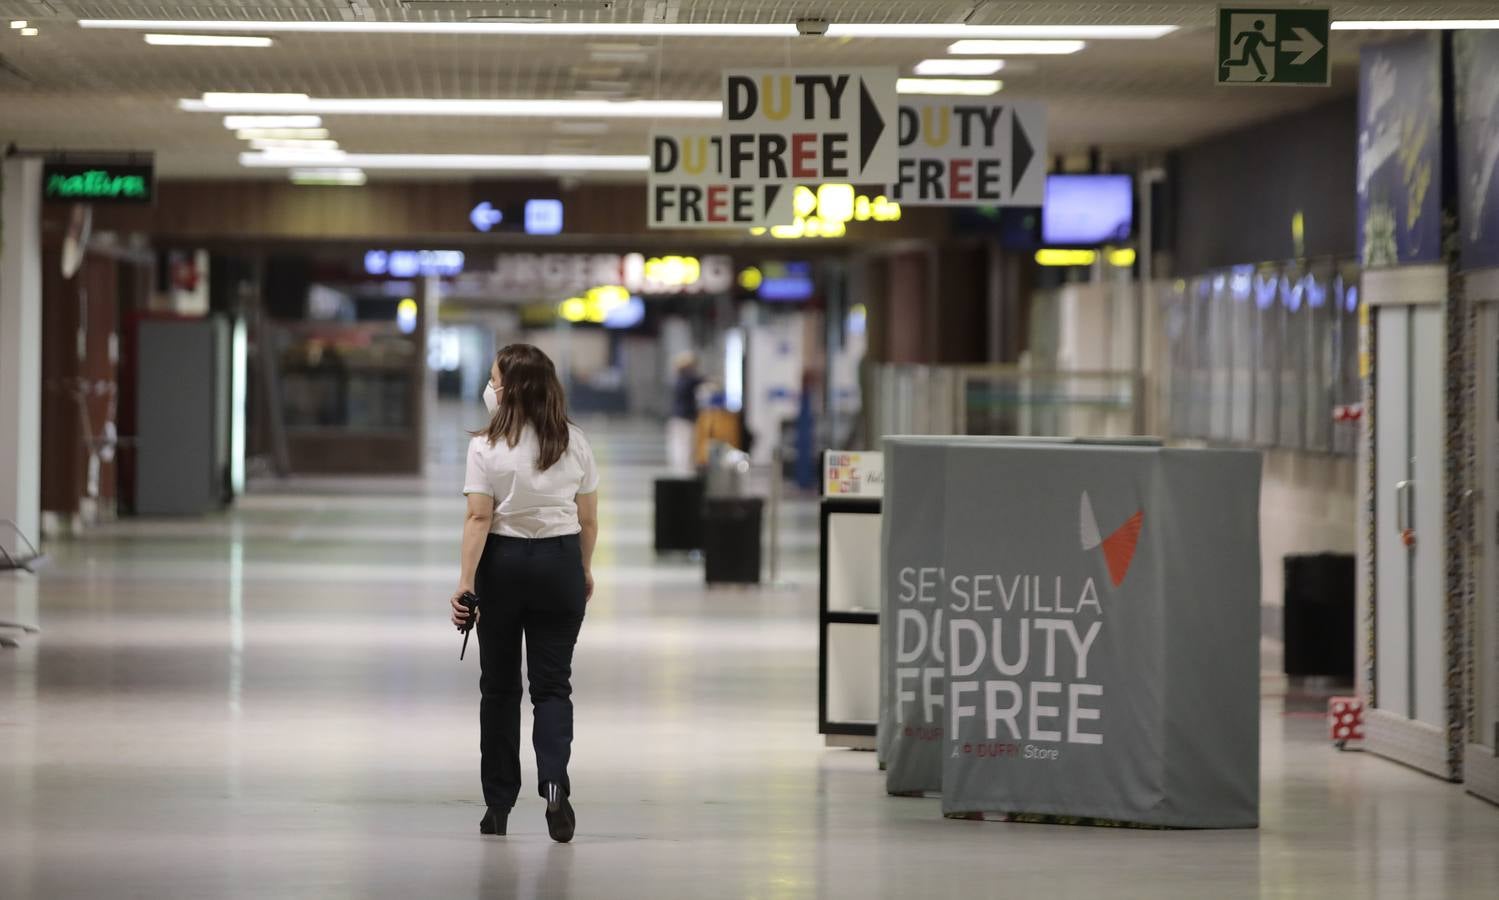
<point x="99" y="183"/>
<point x="1274" y="46"/>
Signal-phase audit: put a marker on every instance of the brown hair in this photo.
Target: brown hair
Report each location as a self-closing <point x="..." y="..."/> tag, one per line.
<point x="530" y="395"/>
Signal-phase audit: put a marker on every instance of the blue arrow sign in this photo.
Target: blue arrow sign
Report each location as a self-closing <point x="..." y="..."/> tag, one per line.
<point x="485" y="216"/>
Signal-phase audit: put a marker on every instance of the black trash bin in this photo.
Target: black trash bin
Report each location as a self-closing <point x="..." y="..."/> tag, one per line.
<point x="1319" y="616"/>
<point x="731" y="540"/>
<point x="679" y="514"/>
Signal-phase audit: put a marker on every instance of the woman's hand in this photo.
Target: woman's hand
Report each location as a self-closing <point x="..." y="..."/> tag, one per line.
<point x="460" y="612"/>
<point x="588" y="585"/>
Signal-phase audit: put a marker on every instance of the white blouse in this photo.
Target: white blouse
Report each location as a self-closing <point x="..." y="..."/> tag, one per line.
<point x="529" y="503"/>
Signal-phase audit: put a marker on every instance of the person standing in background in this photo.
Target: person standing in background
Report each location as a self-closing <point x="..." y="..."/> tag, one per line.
<point x="684" y="411"/>
<point x="715" y="424"/>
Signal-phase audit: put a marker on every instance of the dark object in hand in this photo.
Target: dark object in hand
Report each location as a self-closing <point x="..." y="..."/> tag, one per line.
<point x="471" y="603"/>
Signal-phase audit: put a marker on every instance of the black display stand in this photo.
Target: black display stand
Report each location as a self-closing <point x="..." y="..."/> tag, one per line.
<point x="679" y="514"/>
<point x="731" y="540"/>
<point x="827" y="617"/>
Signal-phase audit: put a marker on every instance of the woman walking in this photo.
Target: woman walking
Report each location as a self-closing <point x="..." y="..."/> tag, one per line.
<point x="528" y="542"/>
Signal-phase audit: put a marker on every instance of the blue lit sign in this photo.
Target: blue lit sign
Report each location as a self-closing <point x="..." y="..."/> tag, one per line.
<point x="626" y="315"/>
<point x="539" y="216"/>
<point x="411" y="263"/>
<point x="543" y="217"/>
<point x="485" y="216"/>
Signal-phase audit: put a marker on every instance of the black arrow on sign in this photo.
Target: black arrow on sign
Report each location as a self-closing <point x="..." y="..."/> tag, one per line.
<point x="871" y="125"/>
<point x="772" y="191"/>
<point x="1021" y="151"/>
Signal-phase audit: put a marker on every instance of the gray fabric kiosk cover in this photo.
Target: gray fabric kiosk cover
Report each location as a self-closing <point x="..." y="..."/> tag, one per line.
<point x="1122" y="588"/>
<point x="912" y="617"/>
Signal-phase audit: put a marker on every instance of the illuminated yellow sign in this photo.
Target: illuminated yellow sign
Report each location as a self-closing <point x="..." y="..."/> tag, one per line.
<point x="1055" y="256"/>
<point x="1120" y="257"/>
<point x="673" y="271"/>
<point x="826" y="212"/>
<point x="595" y="304"/>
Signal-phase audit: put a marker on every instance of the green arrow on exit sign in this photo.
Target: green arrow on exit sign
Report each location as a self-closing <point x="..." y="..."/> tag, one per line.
<point x="1273" y="46"/>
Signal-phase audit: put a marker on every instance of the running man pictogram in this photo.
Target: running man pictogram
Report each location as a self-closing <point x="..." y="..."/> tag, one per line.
<point x="1253" y="44"/>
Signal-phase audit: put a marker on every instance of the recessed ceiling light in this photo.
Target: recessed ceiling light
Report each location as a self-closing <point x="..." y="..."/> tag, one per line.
<point x="288" y="156"/>
<point x="329" y="177"/>
<point x="292" y="144"/>
<point x="938" y="31"/>
<point x="281" y="134"/>
<point x="536" y="162"/>
<point x="29" y="32"/>
<point x="644" y="29"/>
<point x="968" y="87"/>
<point x="207" y="40"/>
<point x="416" y="106"/>
<point x="18" y="24"/>
<point x="1417" y="25"/>
<point x="237" y="122"/>
<point x="1016" y="48"/>
<point x="959" y="66"/>
<point x="235" y="100"/>
<point x="533" y="29"/>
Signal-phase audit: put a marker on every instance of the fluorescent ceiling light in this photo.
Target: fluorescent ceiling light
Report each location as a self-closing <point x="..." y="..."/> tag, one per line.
<point x="292" y="144"/>
<point x="416" y="106"/>
<point x="281" y="134"/>
<point x="1101" y="32"/>
<point x="237" y="100"/>
<point x="1417" y="25"/>
<point x="1016" y="48"/>
<point x="329" y="177"/>
<point x="536" y="162"/>
<point x="643" y="29"/>
<point x="968" y="87"/>
<point x="207" y="40"/>
<point x="18" y="24"/>
<point x="295" y="156"/>
<point x="959" y="66"/>
<point x="234" y="123"/>
<point x="29" y="32"/>
<point x="533" y="29"/>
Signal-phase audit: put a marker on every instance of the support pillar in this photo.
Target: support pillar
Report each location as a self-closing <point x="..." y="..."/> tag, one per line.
<point x="20" y="349"/>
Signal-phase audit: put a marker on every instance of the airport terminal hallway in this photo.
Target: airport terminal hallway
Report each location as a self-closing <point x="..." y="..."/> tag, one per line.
<point x="269" y="703"/>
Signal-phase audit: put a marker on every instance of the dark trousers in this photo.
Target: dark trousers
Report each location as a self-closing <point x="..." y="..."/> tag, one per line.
<point x="532" y="589"/>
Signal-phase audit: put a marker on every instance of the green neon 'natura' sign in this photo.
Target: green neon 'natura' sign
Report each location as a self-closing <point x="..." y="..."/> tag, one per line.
<point x="97" y="185"/>
<point x="98" y="182"/>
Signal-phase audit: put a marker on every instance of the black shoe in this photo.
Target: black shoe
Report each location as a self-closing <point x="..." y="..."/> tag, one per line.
<point x="494" y="821"/>
<point x="561" y="821"/>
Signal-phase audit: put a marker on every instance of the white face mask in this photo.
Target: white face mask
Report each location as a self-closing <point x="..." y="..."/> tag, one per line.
<point x="491" y="399"/>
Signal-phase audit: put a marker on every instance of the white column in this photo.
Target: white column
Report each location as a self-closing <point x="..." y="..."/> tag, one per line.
<point x="20" y="348"/>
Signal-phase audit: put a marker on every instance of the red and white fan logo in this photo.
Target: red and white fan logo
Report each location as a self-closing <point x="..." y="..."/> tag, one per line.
<point x="1119" y="547"/>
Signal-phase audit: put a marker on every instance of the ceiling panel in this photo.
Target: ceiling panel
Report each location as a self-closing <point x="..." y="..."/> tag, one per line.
<point x="77" y="88"/>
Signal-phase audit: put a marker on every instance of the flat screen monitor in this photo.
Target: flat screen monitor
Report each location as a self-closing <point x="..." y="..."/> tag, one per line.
<point x="1086" y="210"/>
<point x="790" y="282"/>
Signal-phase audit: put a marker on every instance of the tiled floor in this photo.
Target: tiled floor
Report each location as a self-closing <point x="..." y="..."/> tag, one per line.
<point x="269" y="703"/>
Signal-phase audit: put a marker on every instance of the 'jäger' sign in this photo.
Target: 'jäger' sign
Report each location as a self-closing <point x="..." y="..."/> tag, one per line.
<point x="960" y="153"/>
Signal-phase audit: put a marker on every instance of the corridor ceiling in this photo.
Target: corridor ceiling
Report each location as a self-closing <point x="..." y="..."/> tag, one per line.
<point x="70" y="87"/>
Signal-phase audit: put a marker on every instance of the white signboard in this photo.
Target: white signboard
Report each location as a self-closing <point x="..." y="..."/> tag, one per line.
<point x="965" y="152"/>
<point x="846" y="474"/>
<point x="810" y="126"/>
<point x="687" y="188"/>
<point x="553" y="276"/>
